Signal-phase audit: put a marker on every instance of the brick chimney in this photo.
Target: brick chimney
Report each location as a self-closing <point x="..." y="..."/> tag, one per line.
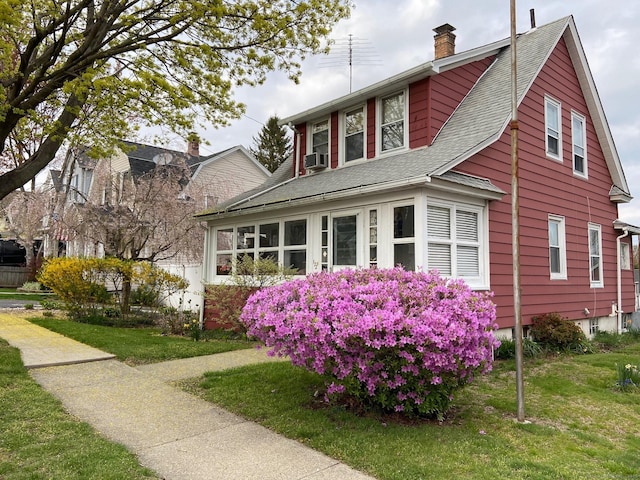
<point x="193" y="145"/>
<point x="444" y="41"/>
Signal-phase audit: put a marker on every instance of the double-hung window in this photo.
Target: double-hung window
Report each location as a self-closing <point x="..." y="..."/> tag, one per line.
<point x="354" y="135"/>
<point x="553" y="128"/>
<point x="557" y="248"/>
<point x="392" y="122"/>
<point x="404" y="250"/>
<point x="454" y="240"/>
<point x="320" y="137"/>
<point x="579" y="142"/>
<point x="595" y="255"/>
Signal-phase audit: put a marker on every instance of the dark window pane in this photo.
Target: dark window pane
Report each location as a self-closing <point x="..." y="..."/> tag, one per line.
<point x="223" y="264"/>
<point x="554" y="258"/>
<point x="403" y="224"/>
<point x="354" y="147"/>
<point x="404" y="254"/>
<point x="269" y="235"/>
<point x="344" y="240"/>
<point x="295" y="232"/>
<point x="296" y="259"/>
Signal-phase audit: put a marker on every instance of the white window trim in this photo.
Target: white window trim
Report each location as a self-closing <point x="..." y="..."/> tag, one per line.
<point x="562" y="245"/>
<point x="482" y="280"/>
<point x="625" y="256"/>
<point x="405" y="144"/>
<point x="310" y="135"/>
<point x="256" y="250"/>
<point x="598" y="228"/>
<point x="583" y="120"/>
<point x="558" y="105"/>
<point x="343" y="135"/>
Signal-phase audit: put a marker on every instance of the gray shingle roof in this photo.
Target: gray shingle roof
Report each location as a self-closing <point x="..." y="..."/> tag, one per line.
<point x="477" y="122"/>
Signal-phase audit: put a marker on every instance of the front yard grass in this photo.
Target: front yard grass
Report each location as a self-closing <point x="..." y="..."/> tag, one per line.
<point x="581" y="426"/>
<point x="39" y="440"/>
<point x="137" y="346"/>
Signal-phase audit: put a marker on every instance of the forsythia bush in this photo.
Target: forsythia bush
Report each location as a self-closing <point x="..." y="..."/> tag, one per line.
<point x="391" y="339"/>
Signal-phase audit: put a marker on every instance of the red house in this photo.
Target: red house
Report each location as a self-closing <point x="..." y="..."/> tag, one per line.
<point x="416" y="170"/>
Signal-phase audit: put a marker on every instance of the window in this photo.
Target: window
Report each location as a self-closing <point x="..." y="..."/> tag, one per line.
<point x="625" y="260"/>
<point x="453" y="234"/>
<point x="320" y="137"/>
<point x="553" y="127"/>
<point x="373" y="238"/>
<point x="595" y="255"/>
<point x="579" y="141"/>
<point x="344" y="243"/>
<point x="404" y="251"/>
<point x="354" y="135"/>
<point x="557" y="248"/>
<point x="392" y="119"/>
<point x="284" y="242"/>
<point x="594" y="326"/>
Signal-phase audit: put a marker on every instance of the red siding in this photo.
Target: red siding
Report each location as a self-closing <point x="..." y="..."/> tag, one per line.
<point x="447" y="90"/>
<point x="419" y="114"/>
<point x="371" y="128"/>
<point x="333" y="148"/>
<point x="549" y="187"/>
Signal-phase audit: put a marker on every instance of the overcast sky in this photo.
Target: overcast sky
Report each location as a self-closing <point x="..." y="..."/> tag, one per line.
<point x="393" y="36"/>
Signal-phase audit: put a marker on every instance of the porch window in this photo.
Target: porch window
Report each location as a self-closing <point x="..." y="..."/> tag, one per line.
<point x="625" y="260"/>
<point x="373" y="238"/>
<point x="453" y="234"/>
<point x="579" y="141"/>
<point x="345" y="240"/>
<point x="224" y="251"/>
<point x="392" y="122"/>
<point x="595" y="255"/>
<point x="295" y="245"/>
<point x="404" y="251"/>
<point x="553" y="129"/>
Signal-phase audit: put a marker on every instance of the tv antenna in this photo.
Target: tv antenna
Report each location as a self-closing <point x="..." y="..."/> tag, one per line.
<point x="351" y="51"/>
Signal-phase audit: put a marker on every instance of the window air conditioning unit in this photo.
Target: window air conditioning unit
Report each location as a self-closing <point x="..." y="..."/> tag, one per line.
<point x="316" y="161"/>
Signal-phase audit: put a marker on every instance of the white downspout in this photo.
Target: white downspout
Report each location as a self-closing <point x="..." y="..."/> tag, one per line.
<point x="619" y="286"/>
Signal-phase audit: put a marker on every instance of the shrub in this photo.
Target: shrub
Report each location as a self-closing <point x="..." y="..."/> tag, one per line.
<point x="556" y="332"/>
<point x="249" y="275"/>
<point x="387" y="339"/>
<point x="31" y="287"/>
<point x="28" y="306"/>
<point x="507" y="349"/>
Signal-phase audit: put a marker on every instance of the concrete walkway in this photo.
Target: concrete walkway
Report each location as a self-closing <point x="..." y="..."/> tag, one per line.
<point x="172" y="432"/>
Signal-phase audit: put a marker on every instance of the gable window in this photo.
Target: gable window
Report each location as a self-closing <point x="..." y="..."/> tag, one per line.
<point x="553" y="129"/>
<point x="579" y="141"/>
<point x="320" y="137"/>
<point x="404" y="250"/>
<point x="557" y="248"/>
<point x="354" y="135"/>
<point x="453" y="234"/>
<point x="595" y="255"/>
<point x="392" y="122"/>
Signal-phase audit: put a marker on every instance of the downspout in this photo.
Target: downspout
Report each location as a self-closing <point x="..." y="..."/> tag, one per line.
<point x="619" y="279"/>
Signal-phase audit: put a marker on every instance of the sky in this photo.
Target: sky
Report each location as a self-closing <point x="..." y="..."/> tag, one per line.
<point x="391" y="36"/>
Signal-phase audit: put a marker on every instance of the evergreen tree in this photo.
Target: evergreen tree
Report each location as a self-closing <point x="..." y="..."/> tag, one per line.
<point x="272" y="145"/>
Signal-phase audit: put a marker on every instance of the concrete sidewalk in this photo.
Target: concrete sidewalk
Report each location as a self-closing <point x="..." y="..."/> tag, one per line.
<point x="176" y="434"/>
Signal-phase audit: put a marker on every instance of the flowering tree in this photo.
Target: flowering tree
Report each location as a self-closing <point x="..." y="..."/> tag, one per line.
<point x="391" y="339"/>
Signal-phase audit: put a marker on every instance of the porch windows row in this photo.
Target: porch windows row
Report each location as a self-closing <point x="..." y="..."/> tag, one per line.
<point x="391" y="131"/>
<point x="375" y="236"/>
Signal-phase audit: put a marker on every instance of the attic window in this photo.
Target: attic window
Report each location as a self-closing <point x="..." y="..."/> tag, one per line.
<point x="553" y="129"/>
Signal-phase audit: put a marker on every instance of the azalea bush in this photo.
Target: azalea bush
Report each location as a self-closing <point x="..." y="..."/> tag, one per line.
<point x="386" y="339"/>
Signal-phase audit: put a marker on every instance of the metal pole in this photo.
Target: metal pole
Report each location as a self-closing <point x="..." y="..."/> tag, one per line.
<point x="515" y="221"/>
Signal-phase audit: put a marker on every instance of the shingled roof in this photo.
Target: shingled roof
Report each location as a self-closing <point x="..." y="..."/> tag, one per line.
<point x="479" y="120"/>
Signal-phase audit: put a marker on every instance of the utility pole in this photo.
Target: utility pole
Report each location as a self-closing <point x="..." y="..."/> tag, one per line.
<point x="515" y="219"/>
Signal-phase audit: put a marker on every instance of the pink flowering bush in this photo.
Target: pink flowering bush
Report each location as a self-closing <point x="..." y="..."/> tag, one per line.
<point x="390" y="339"/>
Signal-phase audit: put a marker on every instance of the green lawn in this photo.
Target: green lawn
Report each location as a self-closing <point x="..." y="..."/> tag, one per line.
<point x="138" y="345"/>
<point x="581" y="426"/>
<point x="38" y="440"/>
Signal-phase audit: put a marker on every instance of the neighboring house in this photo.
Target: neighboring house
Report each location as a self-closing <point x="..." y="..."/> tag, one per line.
<point x="216" y="177"/>
<point x="416" y="170"/>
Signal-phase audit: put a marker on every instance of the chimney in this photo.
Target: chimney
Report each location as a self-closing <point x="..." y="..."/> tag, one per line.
<point x="445" y="41"/>
<point x="193" y="145"/>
